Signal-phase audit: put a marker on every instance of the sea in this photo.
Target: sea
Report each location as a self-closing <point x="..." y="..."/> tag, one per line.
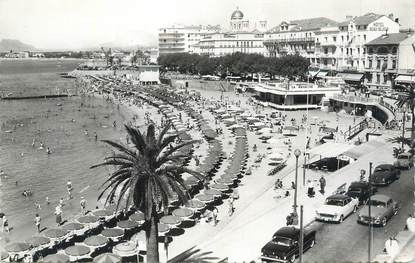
<point x="67" y="126"/>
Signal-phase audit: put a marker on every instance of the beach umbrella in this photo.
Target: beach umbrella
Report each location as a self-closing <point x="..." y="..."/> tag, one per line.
<point x="107" y="258"/>
<point x="126" y="249"/>
<point x="37" y="241"/>
<point x="17" y="247"/>
<point x="276" y="156"/>
<point x="138" y="217"/>
<point x="163" y="228"/>
<point x="3" y="255"/>
<point x="191" y="181"/>
<point x="88" y="219"/>
<point x="219" y="187"/>
<point x="55" y="233"/>
<point x="112" y="232"/>
<point x="73" y="226"/>
<point x="213" y="192"/>
<point x="171" y="220"/>
<point x="184" y="213"/>
<point x="102" y="213"/>
<point x="205" y="198"/>
<point x="224" y="180"/>
<point x="127" y="224"/>
<point x="96" y="241"/>
<point x="56" y="258"/>
<point x="77" y="250"/>
<point x="195" y="204"/>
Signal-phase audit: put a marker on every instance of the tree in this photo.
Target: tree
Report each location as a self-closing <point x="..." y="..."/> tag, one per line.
<point x="147" y="176"/>
<point x="407" y="98"/>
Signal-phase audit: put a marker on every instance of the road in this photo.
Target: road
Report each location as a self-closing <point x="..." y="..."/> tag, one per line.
<point x="348" y="241"/>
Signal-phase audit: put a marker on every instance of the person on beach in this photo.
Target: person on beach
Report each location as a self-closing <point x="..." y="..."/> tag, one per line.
<point x="69" y="188"/>
<point x="83" y="205"/>
<point x="41" y="146"/>
<point x="37" y="205"/>
<point x="58" y="213"/>
<point x="215" y="216"/>
<point x="5" y="225"/>
<point x="37" y="222"/>
<point x="322" y="181"/>
<point x="231" y="208"/>
<point x="61" y="203"/>
<point x="48" y="151"/>
<point x="47" y="200"/>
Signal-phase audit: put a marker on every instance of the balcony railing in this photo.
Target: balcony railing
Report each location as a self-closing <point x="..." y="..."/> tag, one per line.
<point x="289" y="40"/>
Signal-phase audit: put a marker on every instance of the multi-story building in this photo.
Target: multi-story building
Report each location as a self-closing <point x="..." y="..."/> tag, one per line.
<point x="243" y="36"/>
<point x="295" y="37"/>
<point x="179" y="39"/>
<point x="388" y="56"/>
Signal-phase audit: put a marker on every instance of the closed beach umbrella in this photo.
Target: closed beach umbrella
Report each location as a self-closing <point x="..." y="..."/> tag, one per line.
<point x="205" y="198"/>
<point x="17" y="247"/>
<point x="195" y="204"/>
<point x="37" y="241"/>
<point x="213" y="192"/>
<point x="219" y="187"/>
<point x="96" y="241"/>
<point x="102" y="213"/>
<point x="73" y="226"/>
<point x="184" y="213"/>
<point x="56" y="258"/>
<point x="77" y="251"/>
<point x="171" y="220"/>
<point x="3" y="255"/>
<point x="138" y="217"/>
<point x="88" y="219"/>
<point x="107" y="258"/>
<point x="55" y="233"/>
<point x="127" y="224"/>
<point x="112" y="232"/>
<point x="163" y="228"/>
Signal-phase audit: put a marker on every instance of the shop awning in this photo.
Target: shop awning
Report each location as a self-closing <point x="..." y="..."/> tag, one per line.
<point x="312" y="73"/>
<point x="322" y="74"/>
<point x="350" y="76"/>
<point x="405" y="79"/>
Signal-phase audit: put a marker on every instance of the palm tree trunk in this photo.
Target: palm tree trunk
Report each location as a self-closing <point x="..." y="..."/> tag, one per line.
<point x="152" y="240"/>
<point x="412" y="104"/>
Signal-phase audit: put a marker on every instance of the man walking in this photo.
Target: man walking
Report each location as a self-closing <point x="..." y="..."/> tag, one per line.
<point x="322" y="184"/>
<point x="83" y="205"/>
<point x="37" y="222"/>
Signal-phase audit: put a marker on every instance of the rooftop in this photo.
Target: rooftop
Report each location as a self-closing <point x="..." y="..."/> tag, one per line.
<point x="306" y="24"/>
<point x="389" y="39"/>
<point x="363" y="20"/>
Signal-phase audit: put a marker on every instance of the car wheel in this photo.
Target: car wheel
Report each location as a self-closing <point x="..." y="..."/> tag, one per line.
<point x="384" y="221"/>
<point x="313" y="242"/>
<point x="292" y="259"/>
<point x="341" y="219"/>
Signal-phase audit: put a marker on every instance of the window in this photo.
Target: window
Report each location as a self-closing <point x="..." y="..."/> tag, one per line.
<point x="342" y="38"/>
<point x="325" y="50"/>
<point x="358" y="50"/>
<point x="385" y="78"/>
<point x="325" y="39"/>
<point x="341" y="50"/>
<point x="393" y="64"/>
<point x="369" y="77"/>
<point x="378" y="64"/>
<point x="364" y="50"/>
<point x="378" y="78"/>
<point x="394" y="50"/>
<point x="334" y="39"/>
<point x="365" y="27"/>
<point x="370" y="51"/>
<point x="370" y="63"/>
<point x="347" y="38"/>
<point x="364" y="36"/>
<point x="351" y="51"/>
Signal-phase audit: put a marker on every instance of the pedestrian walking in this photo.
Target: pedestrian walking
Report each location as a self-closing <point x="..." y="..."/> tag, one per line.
<point x="69" y="189"/>
<point x="58" y="213"/>
<point x="83" y="205"/>
<point x="37" y="222"/>
<point x="215" y="216"/>
<point x="231" y="208"/>
<point x="322" y="181"/>
<point x="310" y="186"/>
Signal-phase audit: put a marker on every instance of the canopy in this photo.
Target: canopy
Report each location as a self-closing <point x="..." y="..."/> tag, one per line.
<point x="37" y="241"/>
<point x="88" y="219"/>
<point x="107" y="258"/>
<point x="312" y="73"/>
<point x="55" y="233"/>
<point x="77" y="250"/>
<point x="350" y="76"/>
<point x="56" y="258"/>
<point x="171" y="220"/>
<point x="17" y="247"/>
<point x="127" y="224"/>
<point x="213" y="192"/>
<point x="405" y="79"/>
<point x="102" y="213"/>
<point x="205" y="198"/>
<point x="195" y="204"/>
<point x="73" y="226"/>
<point x="96" y="241"/>
<point x="183" y="213"/>
<point x="112" y="232"/>
<point x="322" y="74"/>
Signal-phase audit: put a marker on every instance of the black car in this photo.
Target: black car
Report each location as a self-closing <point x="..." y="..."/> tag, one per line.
<point x="385" y="174"/>
<point x="284" y="246"/>
<point x="360" y="190"/>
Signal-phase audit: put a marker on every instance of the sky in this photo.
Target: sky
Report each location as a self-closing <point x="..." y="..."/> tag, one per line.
<point x="77" y="24"/>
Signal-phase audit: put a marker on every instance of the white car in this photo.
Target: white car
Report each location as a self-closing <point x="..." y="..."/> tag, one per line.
<point x="336" y="208"/>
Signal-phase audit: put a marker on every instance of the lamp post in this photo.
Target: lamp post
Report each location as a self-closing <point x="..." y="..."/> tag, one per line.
<point x="369" y="252"/>
<point x="306" y="155"/>
<point x="297" y="154"/>
<point x="403" y="126"/>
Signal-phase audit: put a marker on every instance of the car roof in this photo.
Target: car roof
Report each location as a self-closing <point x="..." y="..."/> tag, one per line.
<point x="359" y="184"/>
<point x="379" y="197"/>
<point x="384" y="166"/>
<point x="338" y="197"/>
<point x="287" y="231"/>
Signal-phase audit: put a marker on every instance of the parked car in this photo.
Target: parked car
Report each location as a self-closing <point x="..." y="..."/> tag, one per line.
<point x="385" y="174"/>
<point x="336" y="208"/>
<point x="360" y="190"/>
<point x="284" y="246"/>
<point x="404" y="161"/>
<point x="382" y="209"/>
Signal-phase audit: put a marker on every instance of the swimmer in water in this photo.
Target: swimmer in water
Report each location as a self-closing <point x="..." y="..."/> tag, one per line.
<point x="86" y="132"/>
<point x="47" y="200"/>
<point x="33" y="143"/>
<point x="41" y="146"/>
<point x="21" y="154"/>
<point x="96" y="136"/>
<point x="48" y="151"/>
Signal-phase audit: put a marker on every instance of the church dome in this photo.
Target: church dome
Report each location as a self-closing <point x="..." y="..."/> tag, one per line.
<point x="237" y="14"/>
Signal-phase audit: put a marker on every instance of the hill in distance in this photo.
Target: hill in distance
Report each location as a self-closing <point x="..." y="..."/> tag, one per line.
<point x="12" y="44"/>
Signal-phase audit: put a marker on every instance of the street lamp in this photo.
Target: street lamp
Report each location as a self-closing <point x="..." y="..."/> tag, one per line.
<point x="297" y="154"/>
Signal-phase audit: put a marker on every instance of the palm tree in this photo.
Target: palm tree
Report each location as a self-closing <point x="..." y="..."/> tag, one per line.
<point x="407" y="98"/>
<point x="147" y="175"/>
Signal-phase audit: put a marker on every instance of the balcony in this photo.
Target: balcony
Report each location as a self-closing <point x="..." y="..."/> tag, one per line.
<point x="171" y="44"/>
<point x="289" y="40"/>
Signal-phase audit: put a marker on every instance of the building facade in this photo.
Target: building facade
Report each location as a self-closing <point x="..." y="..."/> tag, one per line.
<point x="180" y="39"/>
<point x="243" y="36"/>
